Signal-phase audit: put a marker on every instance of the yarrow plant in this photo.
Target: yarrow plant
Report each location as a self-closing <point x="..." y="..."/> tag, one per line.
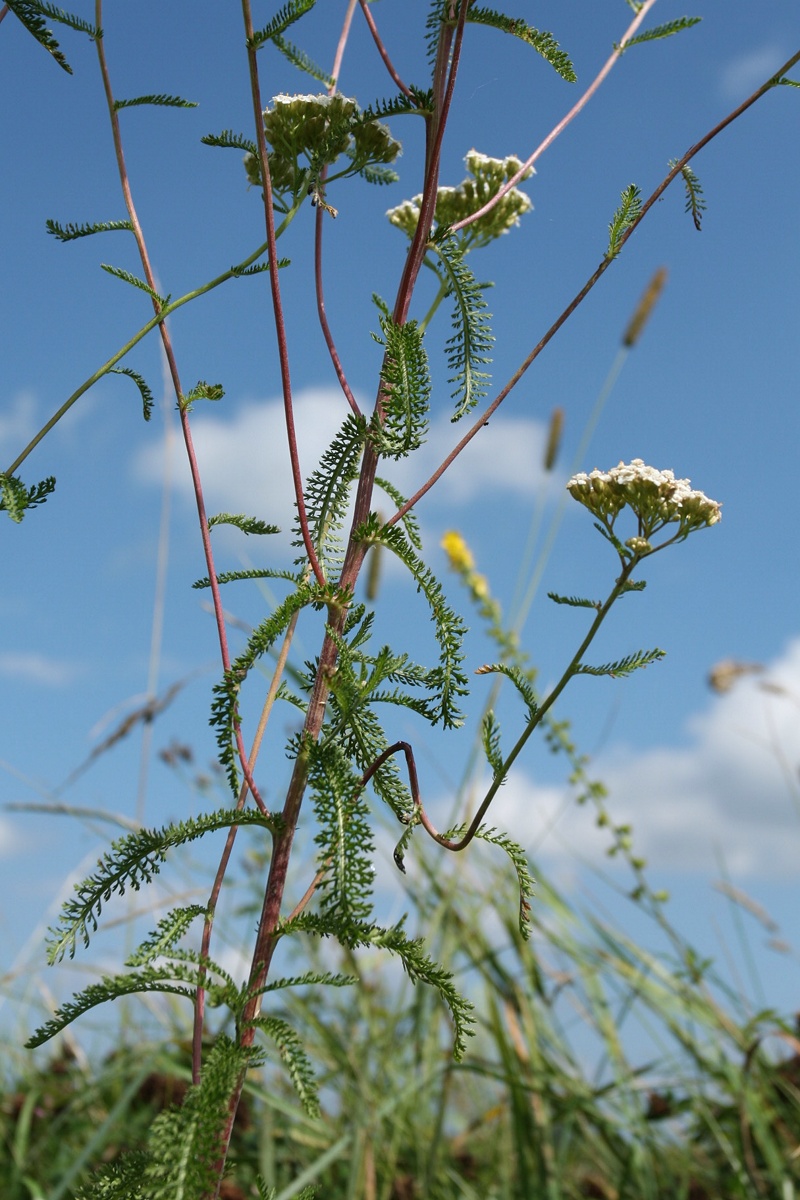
<point x="342" y="749"/>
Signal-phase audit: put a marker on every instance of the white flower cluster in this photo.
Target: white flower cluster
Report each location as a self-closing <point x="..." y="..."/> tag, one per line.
<point x="656" y="497"/>
<point x="454" y="204"/>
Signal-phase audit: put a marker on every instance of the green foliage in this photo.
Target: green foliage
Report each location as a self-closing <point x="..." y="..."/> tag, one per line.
<point x="490" y="740"/>
<point x="15" y="497"/>
<point x="298" y="58"/>
<point x="418" y="103"/>
<point x="29" y="13"/>
<point x="574" y="601"/>
<point x="161" y="100"/>
<point x="419" y="967"/>
<point x="449" y="678"/>
<point x="327" y="493"/>
<point x="246" y="524"/>
<point x="69" y="232"/>
<point x="410" y="522"/>
<point x="623" y="666"/>
<point x="661" y="31"/>
<point x="403" y="423"/>
<point x="229" y="140"/>
<point x="249" y="573"/>
<point x="131" y="862"/>
<point x="520" y="680"/>
<point x="295" y="1059"/>
<point x="344" y="837"/>
<point x="519" y="860"/>
<point x="695" y="203"/>
<point x="283" y="19"/>
<point x="224" y="711"/>
<point x="626" y="215"/>
<point x="141" y="383"/>
<point x="544" y="43"/>
<point x="201" y="391"/>
<point x="184" y="1143"/>
<point x="135" y="281"/>
<point x="468" y="347"/>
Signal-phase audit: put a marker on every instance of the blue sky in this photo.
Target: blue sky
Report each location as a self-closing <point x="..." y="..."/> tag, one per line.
<point x="710" y="391"/>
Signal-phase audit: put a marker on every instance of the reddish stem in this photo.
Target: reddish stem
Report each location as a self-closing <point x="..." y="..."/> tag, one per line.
<point x="483" y="419"/>
<point x="373" y="28"/>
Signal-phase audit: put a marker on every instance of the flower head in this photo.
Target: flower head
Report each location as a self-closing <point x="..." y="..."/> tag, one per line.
<point x="656" y="498"/>
<point x="453" y="204"/>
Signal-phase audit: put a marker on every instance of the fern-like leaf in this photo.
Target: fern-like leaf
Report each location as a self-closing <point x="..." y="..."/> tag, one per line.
<point x="573" y="601"/>
<point x="410" y="522"/>
<point x="15" y="497"/>
<point x="661" y="31"/>
<point x="248" y="573"/>
<point x="344" y="838"/>
<point x="69" y="19"/>
<point x="468" y="348"/>
<point x="224" y="710"/>
<point x="229" y="140"/>
<point x="418" y="103"/>
<point x="448" y="679"/>
<point x="160" y="100"/>
<point x="406" y="392"/>
<point x="490" y="739"/>
<point x="246" y="524"/>
<point x="153" y="979"/>
<point x="695" y="202"/>
<point x="544" y="43"/>
<point x="132" y="861"/>
<point x="283" y="18"/>
<point x="257" y="268"/>
<point x="328" y="493"/>
<point x="69" y="232"/>
<point x="623" y="666"/>
<point x="184" y="1143"/>
<point x="141" y="383"/>
<point x="201" y="391"/>
<point x="520" y="682"/>
<point x="295" y="1059"/>
<point x="299" y="59"/>
<point x="519" y="859"/>
<point x="418" y="966"/>
<point x="30" y="14"/>
<point x="135" y="281"/>
<point x="626" y="215"/>
<point x="169" y="932"/>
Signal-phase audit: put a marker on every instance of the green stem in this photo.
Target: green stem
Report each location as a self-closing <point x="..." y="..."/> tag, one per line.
<point x="165" y="312"/>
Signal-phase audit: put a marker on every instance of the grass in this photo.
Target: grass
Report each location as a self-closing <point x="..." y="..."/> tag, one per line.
<point x="599" y="1069"/>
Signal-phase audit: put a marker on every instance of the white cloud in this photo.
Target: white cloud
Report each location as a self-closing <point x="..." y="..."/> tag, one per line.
<point x="17" y="425"/>
<point x="733" y="792"/>
<point x="32" y="667"/>
<point x="245" y="468"/>
<point x="747" y="72"/>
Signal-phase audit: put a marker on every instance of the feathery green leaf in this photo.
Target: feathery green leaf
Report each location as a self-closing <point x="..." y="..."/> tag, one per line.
<point x="284" y="17"/>
<point x="327" y="493"/>
<point x="135" y="281"/>
<point x="544" y="43"/>
<point x="131" y="862"/>
<point x="15" y="497"/>
<point x="661" y="31"/>
<point x="295" y="1059"/>
<point x="519" y="680"/>
<point x="625" y="216"/>
<point x="468" y="348"/>
<point x="30" y="14"/>
<point x="229" y="140"/>
<point x="574" y="601"/>
<point x="298" y="58"/>
<point x="68" y="232"/>
<point x="695" y="203"/>
<point x="623" y="666"/>
<point x="246" y="524"/>
<point x="161" y="100"/>
<point x="141" y="383"/>
<point x="406" y="392"/>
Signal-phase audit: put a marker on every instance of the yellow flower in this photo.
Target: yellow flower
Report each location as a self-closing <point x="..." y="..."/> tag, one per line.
<point x="457" y="551"/>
